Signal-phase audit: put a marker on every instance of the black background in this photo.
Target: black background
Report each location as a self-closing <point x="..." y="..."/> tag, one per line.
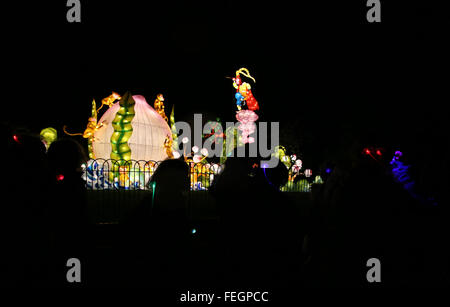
<point x="325" y="73"/>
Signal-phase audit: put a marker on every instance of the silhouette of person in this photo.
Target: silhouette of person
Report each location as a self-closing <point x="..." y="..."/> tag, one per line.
<point x="68" y="211"/>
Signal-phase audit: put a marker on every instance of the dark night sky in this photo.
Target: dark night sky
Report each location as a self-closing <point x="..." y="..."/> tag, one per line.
<point x="321" y="69"/>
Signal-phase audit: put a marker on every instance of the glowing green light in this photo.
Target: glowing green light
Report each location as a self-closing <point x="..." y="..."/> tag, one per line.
<point x="153" y="192"/>
<point x="48" y="136"/>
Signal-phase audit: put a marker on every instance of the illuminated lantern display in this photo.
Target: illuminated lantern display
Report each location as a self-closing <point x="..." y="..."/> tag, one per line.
<point x="174" y="132"/>
<point x="297" y="166"/>
<point x="318" y="180"/>
<point x="308" y="173"/>
<point x="244" y="97"/>
<point x="247" y="124"/>
<point x="132" y="129"/>
<point x="130" y="137"/>
<point x="159" y="106"/>
<point x="48" y="136"/>
<point x="92" y="127"/>
<point x="243" y="91"/>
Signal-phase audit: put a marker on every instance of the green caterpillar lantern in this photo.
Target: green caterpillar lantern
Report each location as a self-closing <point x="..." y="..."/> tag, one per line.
<point x="123" y="129"/>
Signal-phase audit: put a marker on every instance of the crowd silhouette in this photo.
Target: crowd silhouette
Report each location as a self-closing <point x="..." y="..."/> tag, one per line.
<point x="260" y="237"/>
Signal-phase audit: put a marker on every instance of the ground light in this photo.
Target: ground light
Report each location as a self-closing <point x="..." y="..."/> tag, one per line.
<point x="153" y="193"/>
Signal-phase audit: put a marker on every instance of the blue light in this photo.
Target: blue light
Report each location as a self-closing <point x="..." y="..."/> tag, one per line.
<point x="193" y="231"/>
<point x="328" y="170"/>
<point x="402" y="175"/>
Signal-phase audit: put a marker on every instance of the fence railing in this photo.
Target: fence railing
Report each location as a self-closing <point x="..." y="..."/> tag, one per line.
<point x="102" y="174"/>
<point x="108" y="174"/>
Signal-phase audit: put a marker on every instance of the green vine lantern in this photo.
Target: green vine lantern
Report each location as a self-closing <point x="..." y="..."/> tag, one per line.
<point x="123" y="129"/>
